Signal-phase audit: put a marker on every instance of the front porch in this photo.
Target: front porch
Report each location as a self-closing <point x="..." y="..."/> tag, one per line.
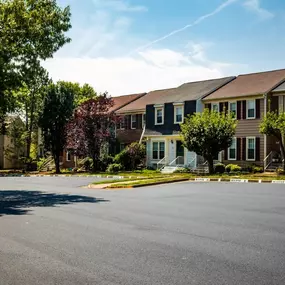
<point x="168" y="151"/>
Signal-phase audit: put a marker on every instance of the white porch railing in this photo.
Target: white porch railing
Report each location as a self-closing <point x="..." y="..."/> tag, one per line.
<point x="268" y="160"/>
<point x="47" y="163"/>
<point x="161" y="163"/>
<point x="193" y="162"/>
<point x="81" y="163"/>
<point x="178" y="161"/>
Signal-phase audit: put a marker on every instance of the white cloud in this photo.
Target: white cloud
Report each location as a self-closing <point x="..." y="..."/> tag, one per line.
<point x="152" y="69"/>
<point x="254" y="6"/>
<point x="97" y="56"/>
<point x="119" y="5"/>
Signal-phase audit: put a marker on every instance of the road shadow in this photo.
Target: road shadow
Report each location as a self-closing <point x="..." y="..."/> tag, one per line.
<point x="18" y="202"/>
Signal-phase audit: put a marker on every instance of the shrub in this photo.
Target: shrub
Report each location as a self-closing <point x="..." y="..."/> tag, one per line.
<point x="88" y="164"/>
<point x="105" y="161"/>
<point x="114" y="168"/>
<point x="220" y="168"/>
<point x="41" y="162"/>
<point x="131" y="157"/>
<point x="257" y="169"/>
<point x="123" y="158"/>
<point x="182" y="170"/>
<point x="233" y="168"/>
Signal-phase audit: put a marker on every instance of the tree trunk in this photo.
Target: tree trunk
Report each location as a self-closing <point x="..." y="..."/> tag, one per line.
<point x="27" y="131"/>
<point x="211" y="165"/>
<point x="95" y="164"/>
<point x="57" y="163"/>
<point x="29" y="125"/>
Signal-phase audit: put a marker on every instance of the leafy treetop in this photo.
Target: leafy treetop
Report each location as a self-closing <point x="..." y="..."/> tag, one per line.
<point x="208" y="133"/>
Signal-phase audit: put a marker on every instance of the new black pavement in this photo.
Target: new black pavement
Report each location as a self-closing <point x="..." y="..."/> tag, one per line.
<point x="52" y="232"/>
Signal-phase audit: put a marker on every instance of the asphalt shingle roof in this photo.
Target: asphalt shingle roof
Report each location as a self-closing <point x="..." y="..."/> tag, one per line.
<point x="121" y="101"/>
<point x="186" y="92"/>
<point x="249" y="84"/>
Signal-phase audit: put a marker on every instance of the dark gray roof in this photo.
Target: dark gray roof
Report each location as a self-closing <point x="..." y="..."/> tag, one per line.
<point x="186" y="92"/>
<point x="280" y="88"/>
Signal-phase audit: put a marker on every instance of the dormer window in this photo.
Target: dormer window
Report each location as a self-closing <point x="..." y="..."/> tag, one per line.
<point x="159" y="115"/>
<point x="178" y="113"/>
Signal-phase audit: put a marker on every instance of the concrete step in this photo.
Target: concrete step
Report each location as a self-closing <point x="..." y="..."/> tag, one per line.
<point x="168" y="169"/>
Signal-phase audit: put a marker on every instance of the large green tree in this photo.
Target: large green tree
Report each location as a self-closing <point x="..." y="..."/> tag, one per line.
<point x="30" y="31"/>
<point x="273" y="124"/>
<point x="30" y="102"/>
<point x="208" y="133"/>
<point x="57" y="111"/>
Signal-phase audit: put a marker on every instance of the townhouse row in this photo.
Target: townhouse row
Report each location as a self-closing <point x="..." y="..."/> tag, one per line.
<point x="156" y="116"/>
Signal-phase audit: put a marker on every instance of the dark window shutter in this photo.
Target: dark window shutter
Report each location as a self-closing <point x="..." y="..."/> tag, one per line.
<point x="238" y="148"/>
<point x="244" y="149"/>
<point x="257" y="107"/>
<point x="138" y="124"/>
<point x="226" y="106"/>
<point x="221" y="107"/>
<point x="257" y="149"/>
<point x="226" y="154"/>
<point x="244" y="110"/>
<point x="129" y="122"/>
<point x="238" y="110"/>
<point x="208" y="106"/>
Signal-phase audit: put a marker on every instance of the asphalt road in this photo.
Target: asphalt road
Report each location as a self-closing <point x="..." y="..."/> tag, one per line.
<point x="52" y="232"/>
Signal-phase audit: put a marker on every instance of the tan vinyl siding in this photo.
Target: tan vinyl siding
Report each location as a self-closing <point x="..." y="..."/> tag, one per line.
<point x="248" y="128"/>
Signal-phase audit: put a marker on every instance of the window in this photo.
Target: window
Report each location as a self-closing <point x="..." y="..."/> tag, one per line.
<point x="143" y="120"/>
<point x="233" y="109"/>
<point x="133" y="121"/>
<point x="159" y="116"/>
<point x="158" y="150"/>
<point x="250" y="109"/>
<point x="122" y="123"/>
<point x="215" y="107"/>
<point x="250" y="148"/>
<point x="68" y="156"/>
<point x="233" y="150"/>
<point x="178" y="114"/>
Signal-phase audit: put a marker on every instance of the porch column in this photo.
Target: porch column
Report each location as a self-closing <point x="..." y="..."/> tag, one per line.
<point x="167" y="150"/>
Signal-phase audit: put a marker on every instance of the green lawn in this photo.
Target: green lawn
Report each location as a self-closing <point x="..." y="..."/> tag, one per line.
<point x="135" y="180"/>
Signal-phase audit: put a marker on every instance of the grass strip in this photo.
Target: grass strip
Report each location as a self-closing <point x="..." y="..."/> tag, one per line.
<point x="147" y="182"/>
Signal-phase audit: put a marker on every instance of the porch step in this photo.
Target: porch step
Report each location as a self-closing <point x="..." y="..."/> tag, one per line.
<point x="273" y="167"/>
<point x="169" y="169"/>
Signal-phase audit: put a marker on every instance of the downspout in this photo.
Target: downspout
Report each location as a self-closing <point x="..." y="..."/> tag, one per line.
<point x="142" y="135"/>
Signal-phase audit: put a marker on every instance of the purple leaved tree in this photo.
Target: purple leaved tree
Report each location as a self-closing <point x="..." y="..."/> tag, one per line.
<point x="91" y="128"/>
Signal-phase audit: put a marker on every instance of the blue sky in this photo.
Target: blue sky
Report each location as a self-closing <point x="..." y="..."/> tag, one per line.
<point x="130" y="46"/>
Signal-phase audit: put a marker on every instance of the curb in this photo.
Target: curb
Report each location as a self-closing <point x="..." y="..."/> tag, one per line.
<point x="199" y="179"/>
<point x="234" y="180"/>
<point x="205" y="180"/>
<point x="61" y="175"/>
